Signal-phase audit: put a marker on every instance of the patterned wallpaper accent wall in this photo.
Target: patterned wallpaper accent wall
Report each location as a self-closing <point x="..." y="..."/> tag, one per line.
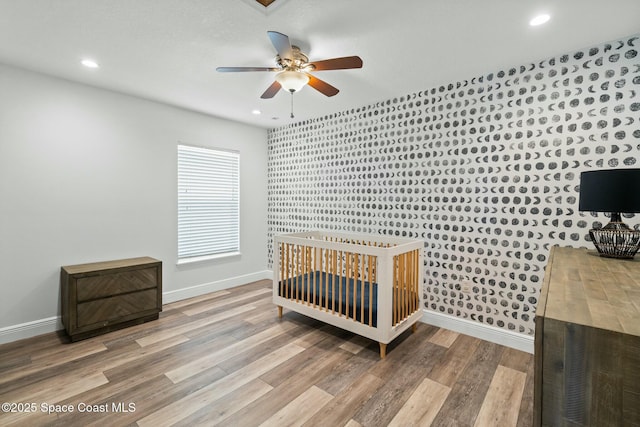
<point x="485" y="170"/>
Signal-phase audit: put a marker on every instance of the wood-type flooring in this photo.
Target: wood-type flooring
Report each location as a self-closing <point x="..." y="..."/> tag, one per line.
<point x="226" y="358"/>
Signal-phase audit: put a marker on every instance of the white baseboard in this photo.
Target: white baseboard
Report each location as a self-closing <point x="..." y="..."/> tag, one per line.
<point x="205" y="288"/>
<point x="30" y="329"/>
<point x="53" y="324"/>
<point x="478" y="330"/>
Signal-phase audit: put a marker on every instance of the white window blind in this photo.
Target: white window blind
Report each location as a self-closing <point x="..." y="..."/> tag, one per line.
<point x="208" y="202"/>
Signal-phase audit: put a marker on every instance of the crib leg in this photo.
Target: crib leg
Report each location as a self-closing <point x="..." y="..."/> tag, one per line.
<point x="383" y="350"/>
<point x="280" y="311"/>
<point x="414" y="327"/>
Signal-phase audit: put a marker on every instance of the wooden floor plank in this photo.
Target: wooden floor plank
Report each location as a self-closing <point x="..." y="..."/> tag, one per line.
<point x="345" y="373"/>
<point x="289" y="387"/>
<point x="179" y="330"/>
<point x="356" y="344"/>
<point x="162" y="356"/>
<point x="399" y="382"/>
<point x="227" y="405"/>
<point x="526" y="415"/>
<point x="186" y="406"/>
<point x="200" y="364"/>
<point x="53" y="358"/>
<point x="422" y="406"/>
<point x="444" y="337"/>
<point x="468" y="392"/>
<point x="236" y="363"/>
<point x="455" y="360"/>
<point x="300" y="409"/>
<point x="50" y="392"/>
<point x="337" y="411"/>
<point x="502" y="402"/>
<point x="221" y="302"/>
<point x="193" y="302"/>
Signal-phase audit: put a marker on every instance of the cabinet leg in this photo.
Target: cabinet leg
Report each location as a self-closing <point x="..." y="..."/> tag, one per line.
<point x="383" y="350"/>
<point x="414" y="327"/>
<point x="280" y="311"/>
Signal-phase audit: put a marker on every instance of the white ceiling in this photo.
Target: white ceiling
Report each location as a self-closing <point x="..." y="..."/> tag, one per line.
<point x="167" y="50"/>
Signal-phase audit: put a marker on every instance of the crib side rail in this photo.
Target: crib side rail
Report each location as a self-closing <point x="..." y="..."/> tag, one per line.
<point x="407" y="280"/>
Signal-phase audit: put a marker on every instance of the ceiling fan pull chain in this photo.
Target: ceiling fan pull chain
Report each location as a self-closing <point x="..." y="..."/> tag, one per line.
<point x="292" y="104"/>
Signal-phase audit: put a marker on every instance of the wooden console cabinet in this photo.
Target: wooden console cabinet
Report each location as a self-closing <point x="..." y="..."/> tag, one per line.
<point x="104" y="296"/>
<point x="587" y="341"/>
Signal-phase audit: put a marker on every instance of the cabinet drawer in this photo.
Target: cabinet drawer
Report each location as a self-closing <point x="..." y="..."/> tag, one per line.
<point x="106" y="285"/>
<point x="117" y="308"/>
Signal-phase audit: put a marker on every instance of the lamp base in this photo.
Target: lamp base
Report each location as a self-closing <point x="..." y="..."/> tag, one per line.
<point x="616" y="240"/>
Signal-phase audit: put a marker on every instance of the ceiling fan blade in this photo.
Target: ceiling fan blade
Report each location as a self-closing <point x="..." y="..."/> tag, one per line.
<point x="338" y="63"/>
<point x="271" y="90"/>
<point x="281" y="43"/>
<point x="238" y="69"/>
<point x="322" y="86"/>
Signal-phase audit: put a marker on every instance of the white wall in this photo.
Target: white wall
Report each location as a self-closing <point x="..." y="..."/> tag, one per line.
<point x="90" y="175"/>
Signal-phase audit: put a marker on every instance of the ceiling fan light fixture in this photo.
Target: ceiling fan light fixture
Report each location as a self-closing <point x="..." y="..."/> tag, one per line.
<point x="292" y="81"/>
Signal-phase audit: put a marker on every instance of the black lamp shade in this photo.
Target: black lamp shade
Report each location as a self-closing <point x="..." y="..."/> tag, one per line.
<point x="612" y="190"/>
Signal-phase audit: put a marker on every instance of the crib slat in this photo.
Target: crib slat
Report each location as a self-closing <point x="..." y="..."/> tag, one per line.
<point x="305" y="278"/>
<point x="407" y="276"/>
<point x="394" y="268"/>
<point x="294" y="260"/>
<point x="362" y="291"/>
<point x="418" y="280"/>
<point x="411" y="281"/>
<point x="346" y="294"/>
<point x="326" y="279"/>
<point x="400" y="283"/>
<point x="301" y="275"/>
<point x="287" y="273"/>
<point x="356" y="259"/>
<point x="370" y="295"/>
<point x="290" y="265"/>
<point x="314" y="268"/>
<point x="307" y="265"/>
<point x="298" y="268"/>
<point x="294" y="269"/>
<point x="281" y="272"/>
<point x="416" y="271"/>
<point x="407" y="283"/>
<point x="403" y="276"/>
<point x="400" y="280"/>
<point x="333" y="282"/>
<point x="395" y="288"/>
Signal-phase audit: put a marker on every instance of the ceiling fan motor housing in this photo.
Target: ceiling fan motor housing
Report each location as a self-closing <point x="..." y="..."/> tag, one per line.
<point x="298" y="61"/>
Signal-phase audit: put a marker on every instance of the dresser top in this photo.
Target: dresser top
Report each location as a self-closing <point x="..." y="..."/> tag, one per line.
<point x="583" y="288"/>
<point x="108" y="265"/>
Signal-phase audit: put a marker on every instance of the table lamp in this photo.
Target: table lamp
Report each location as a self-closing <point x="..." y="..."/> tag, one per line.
<point x="615" y="191"/>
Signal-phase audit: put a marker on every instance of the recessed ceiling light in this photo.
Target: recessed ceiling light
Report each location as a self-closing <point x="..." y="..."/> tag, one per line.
<point x="90" y="63"/>
<point x="539" y="20"/>
<point x="256" y="112"/>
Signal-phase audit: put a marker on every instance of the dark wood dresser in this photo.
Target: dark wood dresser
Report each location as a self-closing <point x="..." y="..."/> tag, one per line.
<point x="104" y="296"/>
<point x="587" y="341"/>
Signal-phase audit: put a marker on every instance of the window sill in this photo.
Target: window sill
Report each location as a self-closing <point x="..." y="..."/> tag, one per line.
<point x="195" y="260"/>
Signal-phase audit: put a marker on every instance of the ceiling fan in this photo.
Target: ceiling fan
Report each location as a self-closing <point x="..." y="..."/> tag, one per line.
<point x="293" y="68"/>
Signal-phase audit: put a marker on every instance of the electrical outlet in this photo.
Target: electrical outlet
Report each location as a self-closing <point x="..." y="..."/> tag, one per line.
<point x="466" y="286"/>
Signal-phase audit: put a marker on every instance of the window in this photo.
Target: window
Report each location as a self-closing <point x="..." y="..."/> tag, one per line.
<point x="208" y="203"/>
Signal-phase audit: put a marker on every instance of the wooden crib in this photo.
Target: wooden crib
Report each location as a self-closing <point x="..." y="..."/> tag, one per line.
<point x="369" y="285"/>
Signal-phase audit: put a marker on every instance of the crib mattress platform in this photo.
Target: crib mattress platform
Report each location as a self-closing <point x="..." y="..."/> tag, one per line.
<point x="339" y="294"/>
